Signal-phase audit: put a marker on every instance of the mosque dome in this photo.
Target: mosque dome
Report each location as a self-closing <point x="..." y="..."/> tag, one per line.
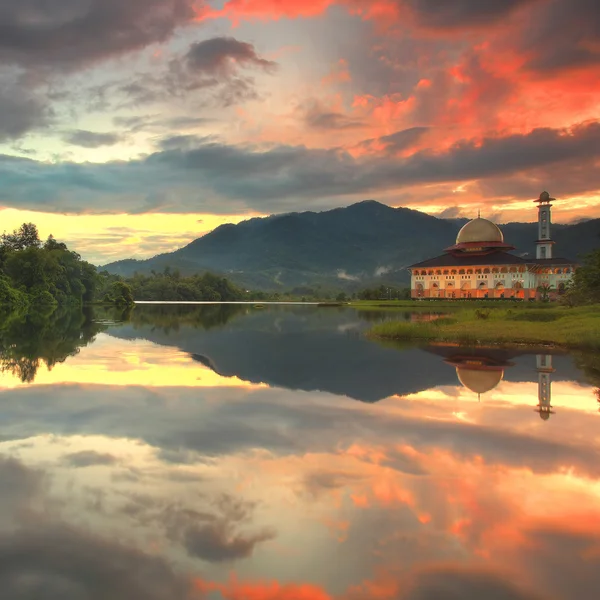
<point x="480" y="230"/>
<point x="479" y="381"/>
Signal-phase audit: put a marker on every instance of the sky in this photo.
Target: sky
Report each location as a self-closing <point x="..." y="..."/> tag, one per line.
<point x="131" y="128"/>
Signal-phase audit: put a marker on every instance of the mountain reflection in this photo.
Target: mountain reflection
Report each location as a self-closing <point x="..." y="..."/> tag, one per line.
<point x="178" y="457"/>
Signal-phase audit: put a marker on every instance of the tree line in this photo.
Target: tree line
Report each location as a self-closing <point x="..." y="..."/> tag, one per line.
<point x="42" y="273"/>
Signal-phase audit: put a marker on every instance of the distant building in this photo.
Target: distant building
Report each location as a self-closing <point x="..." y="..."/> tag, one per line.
<point x="480" y="265"/>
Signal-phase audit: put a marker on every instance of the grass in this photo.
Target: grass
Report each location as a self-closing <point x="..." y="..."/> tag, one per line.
<point x="548" y="326"/>
<point x="435" y="305"/>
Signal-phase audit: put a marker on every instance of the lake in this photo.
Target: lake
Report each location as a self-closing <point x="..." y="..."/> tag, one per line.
<point x="242" y="453"/>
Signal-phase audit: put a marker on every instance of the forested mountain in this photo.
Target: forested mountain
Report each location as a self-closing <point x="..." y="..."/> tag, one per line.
<point x="363" y="244"/>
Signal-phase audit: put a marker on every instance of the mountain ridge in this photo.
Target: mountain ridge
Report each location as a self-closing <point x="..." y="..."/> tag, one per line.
<point x="362" y="244"/>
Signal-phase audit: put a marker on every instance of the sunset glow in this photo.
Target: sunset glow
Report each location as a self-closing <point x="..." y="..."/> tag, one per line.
<point x="156" y="122"/>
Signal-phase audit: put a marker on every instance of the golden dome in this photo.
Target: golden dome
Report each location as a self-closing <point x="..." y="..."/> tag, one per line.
<point x="479" y="230"/>
<point x="479" y="381"/>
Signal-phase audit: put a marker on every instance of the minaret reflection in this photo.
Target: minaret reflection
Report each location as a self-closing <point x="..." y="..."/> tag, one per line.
<point x="481" y="370"/>
<point x="544" y="369"/>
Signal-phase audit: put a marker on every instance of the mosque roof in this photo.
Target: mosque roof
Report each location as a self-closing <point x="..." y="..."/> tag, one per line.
<point x="463" y="260"/>
<point x="479" y="381"/>
<point x="480" y="230"/>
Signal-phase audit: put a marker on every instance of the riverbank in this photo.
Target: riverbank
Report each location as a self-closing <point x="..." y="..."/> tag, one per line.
<point x="549" y="326"/>
<point x="455" y="305"/>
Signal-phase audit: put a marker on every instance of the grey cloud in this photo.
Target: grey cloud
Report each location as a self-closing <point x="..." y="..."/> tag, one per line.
<point x="42" y="557"/>
<point x="317" y="482"/>
<point x="315" y="115"/>
<point x="398" y="141"/>
<point x="88" y="458"/>
<point x="91" y="139"/>
<point x="19" y="486"/>
<point x="215" y="543"/>
<point x="461" y="583"/>
<point x="213" y="67"/>
<point x="72" y="33"/>
<point x="212" y="535"/>
<point x="56" y="562"/>
<point x="462" y="13"/>
<point x="273" y="420"/>
<point x="221" y="56"/>
<point x="20" y="110"/>
<point x="274" y="178"/>
<point x="561" y="34"/>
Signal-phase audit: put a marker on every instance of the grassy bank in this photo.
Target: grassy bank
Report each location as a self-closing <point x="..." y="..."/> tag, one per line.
<point x="552" y="325"/>
<point x="436" y="305"/>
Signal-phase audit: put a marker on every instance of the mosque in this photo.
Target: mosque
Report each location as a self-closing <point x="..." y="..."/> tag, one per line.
<point x="480" y="265"/>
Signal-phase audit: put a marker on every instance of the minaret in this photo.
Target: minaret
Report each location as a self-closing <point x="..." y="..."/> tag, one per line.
<point x="544" y="242"/>
<point x="544" y="369"/>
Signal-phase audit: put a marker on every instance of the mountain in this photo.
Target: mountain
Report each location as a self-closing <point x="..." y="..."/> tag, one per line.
<point x="364" y="244"/>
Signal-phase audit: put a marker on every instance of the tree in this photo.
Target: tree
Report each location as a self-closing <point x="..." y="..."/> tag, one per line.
<point x="544" y="291"/>
<point x="120" y="294"/>
<point x="26" y="236"/>
<point x="585" y="285"/>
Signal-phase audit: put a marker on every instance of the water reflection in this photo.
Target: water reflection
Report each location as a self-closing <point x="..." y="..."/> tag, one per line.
<point x="165" y="460"/>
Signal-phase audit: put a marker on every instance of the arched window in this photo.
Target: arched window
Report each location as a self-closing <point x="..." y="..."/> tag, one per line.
<point x="486" y="271"/>
<point x="434" y="285"/>
<point x="513" y="269"/>
<point x="518" y="285"/>
<point x="561" y="287"/>
<point x="478" y="271"/>
<point x="453" y="272"/>
<point x="438" y="272"/>
<point x="445" y="271"/>
<point x="469" y="271"/>
<point x="461" y="271"/>
<point x="495" y="270"/>
<point x="503" y="270"/>
<point x="482" y="285"/>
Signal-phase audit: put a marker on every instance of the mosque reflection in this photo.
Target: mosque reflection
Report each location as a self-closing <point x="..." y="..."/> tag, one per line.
<point x="482" y="370"/>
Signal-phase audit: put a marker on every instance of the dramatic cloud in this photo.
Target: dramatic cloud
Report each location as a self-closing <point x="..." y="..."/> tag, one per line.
<point x="91" y="139"/>
<point x="212" y="535"/>
<point x="462" y="13"/>
<point x="319" y="117"/>
<point x="69" y="33"/>
<point x="448" y="583"/>
<point x="221" y="56"/>
<point x="42" y="556"/>
<point x="89" y="458"/>
<point x="20" y="110"/>
<point x="266" y="179"/>
<point x="562" y="34"/>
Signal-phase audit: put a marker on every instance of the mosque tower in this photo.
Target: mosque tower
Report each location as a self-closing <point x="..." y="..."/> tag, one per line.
<point x="544" y="241"/>
<point x="544" y="369"/>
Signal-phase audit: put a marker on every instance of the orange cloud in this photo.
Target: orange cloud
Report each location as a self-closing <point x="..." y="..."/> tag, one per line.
<point x="273" y="590"/>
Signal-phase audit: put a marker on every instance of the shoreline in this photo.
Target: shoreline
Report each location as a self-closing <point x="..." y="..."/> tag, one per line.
<point x="553" y="327"/>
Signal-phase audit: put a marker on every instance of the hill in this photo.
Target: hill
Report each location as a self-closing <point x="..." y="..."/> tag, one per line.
<point x="360" y="245"/>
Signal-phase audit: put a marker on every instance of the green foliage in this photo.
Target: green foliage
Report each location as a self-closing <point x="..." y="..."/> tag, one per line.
<point x="585" y="288"/>
<point x="32" y="338"/>
<point x="384" y="292"/>
<point x="42" y="274"/>
<point x="170" y="286"/>
<point x="120" y="293"/>
<point x="573" y="328"/>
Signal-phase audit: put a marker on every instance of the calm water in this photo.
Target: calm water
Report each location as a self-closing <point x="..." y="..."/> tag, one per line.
<point x="276" y="454"/>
